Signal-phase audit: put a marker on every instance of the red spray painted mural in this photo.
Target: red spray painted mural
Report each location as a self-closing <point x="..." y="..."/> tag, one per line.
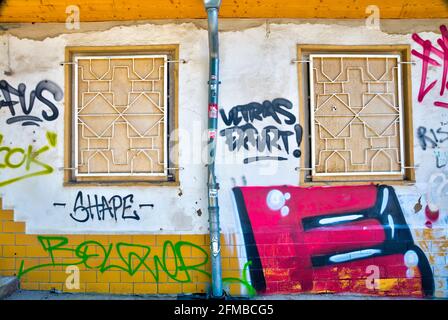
<point x="330" y="239"/>
<point x="435" y="56"/>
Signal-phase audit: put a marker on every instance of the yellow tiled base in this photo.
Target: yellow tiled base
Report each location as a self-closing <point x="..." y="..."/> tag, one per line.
<point x="18" y="248"/>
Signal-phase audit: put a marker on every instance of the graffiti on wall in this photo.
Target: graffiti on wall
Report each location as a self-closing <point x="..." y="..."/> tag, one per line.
<point x="436" y="198"/>
<point x="242" y="133"/>
<point x="27" y="159"/>
<point x="433" y="55"/>
<point x="24" y="115"/>
<point x="330" y="239"/>
<point x="90" y="207"/>
<point x="132" y="258"/>
<point x="441" y="159"/>
<point x="434" y="139"/>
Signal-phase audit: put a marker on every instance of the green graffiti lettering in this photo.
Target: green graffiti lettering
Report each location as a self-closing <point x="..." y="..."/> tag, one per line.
<point x="28" y="157"/>
<point x="133" y="255"/>
<point x="133" y="258"/>
<point x="250" y="289"/>
<point x="9" y="155"/>
<point x="193" y="267"/>
<point x="48" y="246"/>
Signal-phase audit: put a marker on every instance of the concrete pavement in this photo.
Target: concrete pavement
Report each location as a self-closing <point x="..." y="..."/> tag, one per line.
<point x="47" y="295"/>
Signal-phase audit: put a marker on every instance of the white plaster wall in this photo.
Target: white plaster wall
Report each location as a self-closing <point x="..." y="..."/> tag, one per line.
<point x="254" y="67"/>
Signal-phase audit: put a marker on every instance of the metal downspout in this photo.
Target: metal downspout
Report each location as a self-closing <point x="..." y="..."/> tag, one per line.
<point x="212" y="7"/>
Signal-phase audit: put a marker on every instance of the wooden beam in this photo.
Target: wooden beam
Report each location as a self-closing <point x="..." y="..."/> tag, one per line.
<point x="112" y="10"/>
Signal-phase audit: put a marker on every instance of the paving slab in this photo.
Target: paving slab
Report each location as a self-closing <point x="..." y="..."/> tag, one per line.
<point x="8" y="285"/>
<point x="48" y="295"/>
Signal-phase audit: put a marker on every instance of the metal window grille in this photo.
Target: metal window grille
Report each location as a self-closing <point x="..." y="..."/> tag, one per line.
<point x="120" y="116"/>
<point x="356" y="115"/>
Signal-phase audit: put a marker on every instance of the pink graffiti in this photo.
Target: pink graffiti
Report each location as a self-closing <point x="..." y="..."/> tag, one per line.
<point x="432" y="55"/>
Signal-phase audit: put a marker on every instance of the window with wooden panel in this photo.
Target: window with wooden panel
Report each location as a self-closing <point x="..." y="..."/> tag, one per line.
<point x="122" y="108"/>
<point x="356" y="112"/>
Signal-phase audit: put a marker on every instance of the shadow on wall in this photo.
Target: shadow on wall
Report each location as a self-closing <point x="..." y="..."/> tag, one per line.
<point x="330" y="239"/>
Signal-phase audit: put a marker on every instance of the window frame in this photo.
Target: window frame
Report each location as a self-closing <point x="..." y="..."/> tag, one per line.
<point x="171" y="139"/>
<point x="306" y="176"/>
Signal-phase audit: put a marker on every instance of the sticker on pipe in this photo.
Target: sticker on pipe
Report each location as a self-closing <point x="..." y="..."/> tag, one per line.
<point x="212" y="134"/>
<point x="213" y="110"/>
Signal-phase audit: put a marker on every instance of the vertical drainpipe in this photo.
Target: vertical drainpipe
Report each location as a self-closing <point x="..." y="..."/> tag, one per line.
<point x="212" y="7"/>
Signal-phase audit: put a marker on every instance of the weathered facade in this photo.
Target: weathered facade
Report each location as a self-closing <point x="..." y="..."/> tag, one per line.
<point x="381" y="230"/>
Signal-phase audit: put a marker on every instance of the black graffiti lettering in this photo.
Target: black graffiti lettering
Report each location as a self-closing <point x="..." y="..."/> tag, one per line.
<point x="134" y="214"/>
<point x="143" y="205"/>
<point x="299" y="134"/>
<point x="79" y="205"/>
<point x="439" y="131"/>
<point x="278" y="104"/>
<point x="25" y="118"/>
<point x="115" y="205"/>
<point x="233" y="137"/>
<point x="232" y="118"/>
<point x="262" y="158"/>
<point x="57" y="93"/>
<point x="106" y="208"/>
<point x="237" y="136"/>
<point x="59" y="204"/>
<point x="259" y="111"/>
<point x="423" y="138"/>
<point x="247" y="135"/>
<point x="272" y="140"/>
<point x="88" y="207"/>
<point x="7" y="90"/>
<point x="243" y="134"/>
<point x="434" y="139"/>
<point x="9" y="104"/>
